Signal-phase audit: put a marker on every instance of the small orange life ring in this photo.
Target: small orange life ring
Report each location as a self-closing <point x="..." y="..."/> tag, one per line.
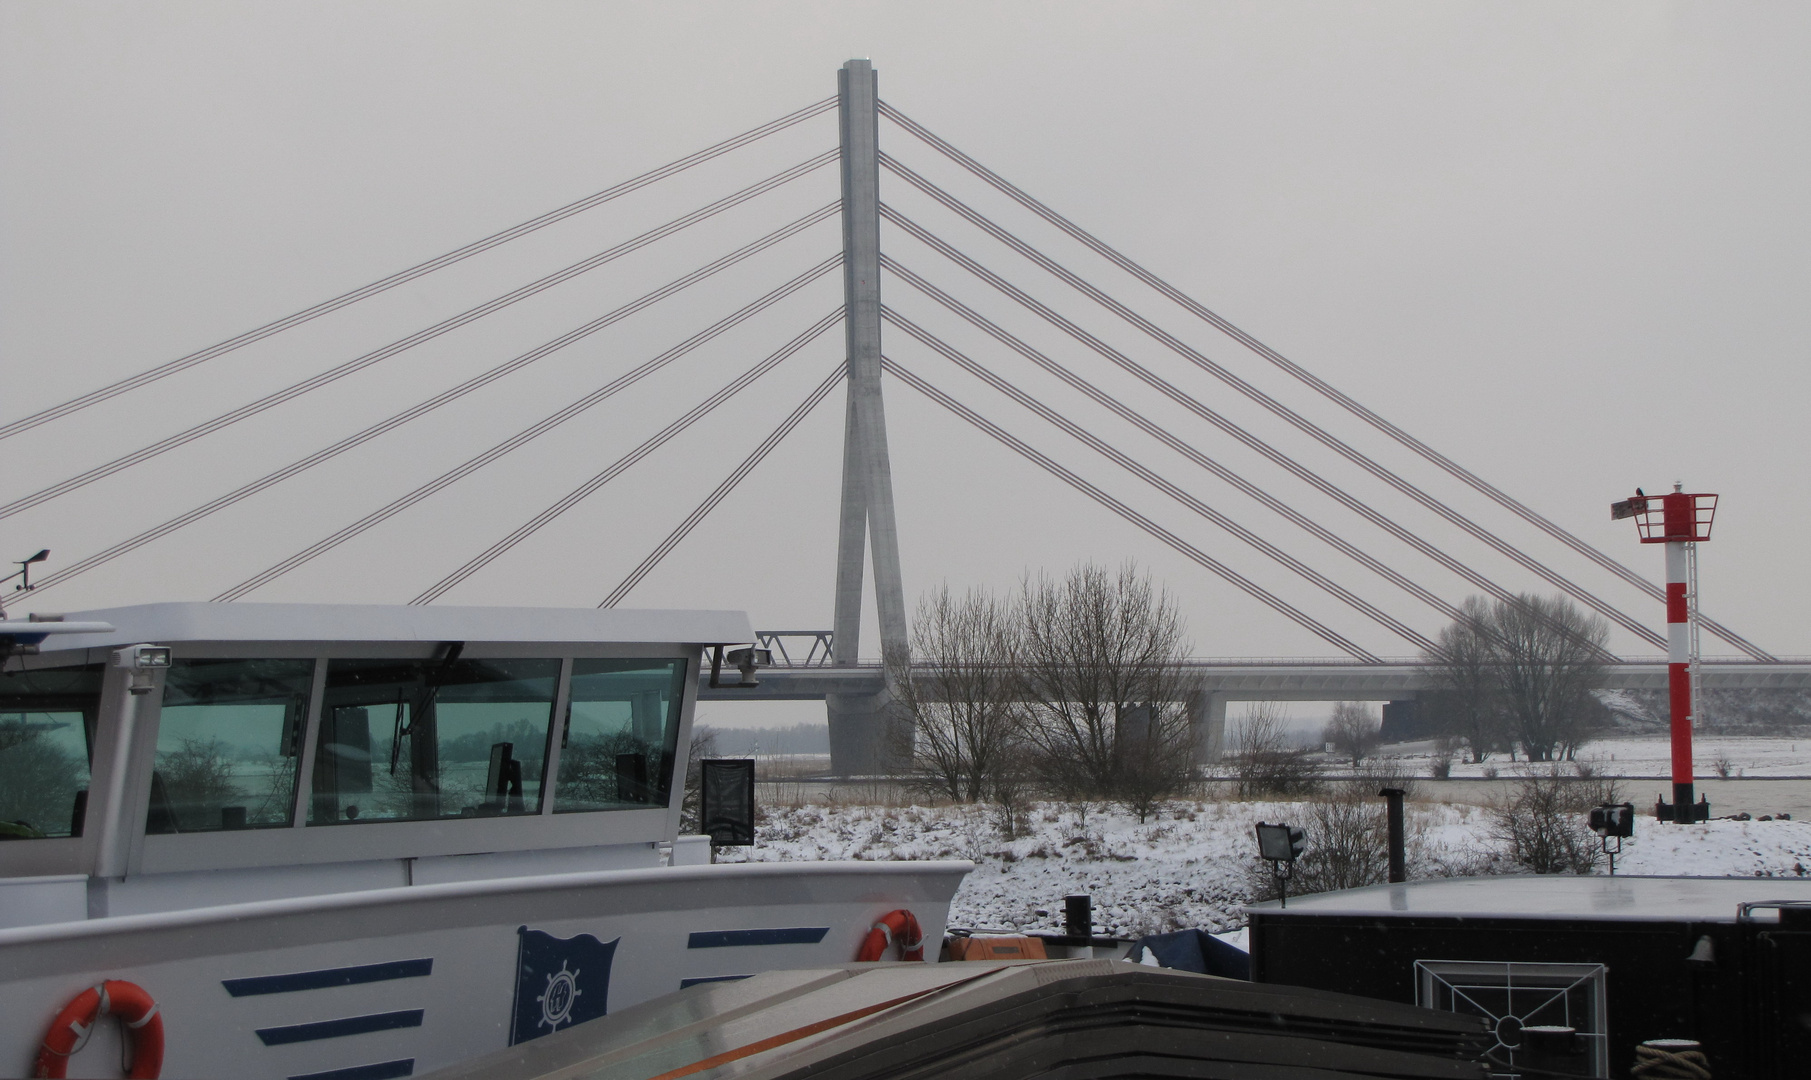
<point x="899" y="926"/>
<point x="70" y="1030"/>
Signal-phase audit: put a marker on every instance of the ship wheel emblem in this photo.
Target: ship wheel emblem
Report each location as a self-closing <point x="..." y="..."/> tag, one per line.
<point x="556" y="1002"/>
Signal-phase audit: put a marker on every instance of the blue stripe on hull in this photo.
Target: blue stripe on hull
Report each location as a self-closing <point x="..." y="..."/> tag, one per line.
<point x="327" y="977"/>
<point x="333" y="1029"/>
<point x="785" y="935"/>
<point x="382" y="1070"/>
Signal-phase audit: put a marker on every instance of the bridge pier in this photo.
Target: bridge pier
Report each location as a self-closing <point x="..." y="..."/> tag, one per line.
<point x="859" y="733"/>
<point x="858" y="725"/>
<point x="1207" y="722"/>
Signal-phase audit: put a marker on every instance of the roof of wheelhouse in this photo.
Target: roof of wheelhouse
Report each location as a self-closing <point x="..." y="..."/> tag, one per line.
<point x="222" y="622"/>
<point x="1550" y="896"/>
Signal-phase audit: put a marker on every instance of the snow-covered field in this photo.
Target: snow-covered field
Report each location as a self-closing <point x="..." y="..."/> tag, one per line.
<point x="1193" y="865"/>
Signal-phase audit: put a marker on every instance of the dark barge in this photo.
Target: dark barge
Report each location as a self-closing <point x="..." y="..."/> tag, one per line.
<point x="1723" y="961"/>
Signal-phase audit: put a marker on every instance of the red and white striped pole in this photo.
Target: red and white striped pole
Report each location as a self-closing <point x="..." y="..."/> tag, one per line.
<point x="1679" y="520"/>
<point x="1678" y="667"/>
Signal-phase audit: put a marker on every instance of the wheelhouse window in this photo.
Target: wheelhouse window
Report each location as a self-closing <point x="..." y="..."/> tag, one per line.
<point x="620" y="736"/>
<point x="47" y="720"/>
<point x="410" y="740"/>
<point x="226" y="745"/>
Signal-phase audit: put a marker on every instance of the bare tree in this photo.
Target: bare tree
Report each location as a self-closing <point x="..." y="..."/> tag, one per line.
<point x="1519" y="672"/>
<point x="1353" y="733"/>
<point x="1548" y="656"/>
<point x="1265" y="760"/>
<point x="1459" y="682"/>
<point x="957" y="718"/>
<point x="1101" y="678"/>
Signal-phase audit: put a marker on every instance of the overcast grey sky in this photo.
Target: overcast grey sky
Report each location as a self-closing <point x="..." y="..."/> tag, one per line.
<point x="1563" y="243"/>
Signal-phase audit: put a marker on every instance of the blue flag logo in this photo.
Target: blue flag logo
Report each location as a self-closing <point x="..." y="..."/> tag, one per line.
<point x="559" y="982"/>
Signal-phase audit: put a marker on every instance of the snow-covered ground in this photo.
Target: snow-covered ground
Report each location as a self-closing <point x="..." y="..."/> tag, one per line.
<point x="1740" y="755"/>
<point x="1193" y="865"/>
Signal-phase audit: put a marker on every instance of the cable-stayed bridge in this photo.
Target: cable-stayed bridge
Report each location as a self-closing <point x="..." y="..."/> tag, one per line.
<point x="1399" y="560"/>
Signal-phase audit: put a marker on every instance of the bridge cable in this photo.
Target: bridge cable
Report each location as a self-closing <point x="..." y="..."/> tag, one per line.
<point x="1225" y="425"/>
<point x="1301" y="423"/>
<point x="1188" y="452"/>
<point x="1309" y="379"/>
<point x="414" y="412"/>
<point x="697" y="516"/>
<point x="1175" y="492"/>
<point x="114" y="389"/>
<point x="629" y="460"/>
<point x="1062" y="273"/>
<point x="376" y="356"/>
<point x="1251" y="588"/>
<point x="466" y="468"/>
<point x="1161" y="434"/>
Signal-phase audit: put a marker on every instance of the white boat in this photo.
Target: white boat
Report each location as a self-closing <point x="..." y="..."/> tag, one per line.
<point x="355" y="842"/>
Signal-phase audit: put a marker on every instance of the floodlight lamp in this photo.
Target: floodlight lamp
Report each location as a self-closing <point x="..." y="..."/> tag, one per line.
<point x="752" y="656"/>
<point x="142" y="661"/>
<point x="1274" y="842"/>
<point x="143" y="657"/>
<point x="748" y="661"/>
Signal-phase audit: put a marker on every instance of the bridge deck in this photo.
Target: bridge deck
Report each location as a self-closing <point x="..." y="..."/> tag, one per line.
<point x="1284" y="679"/>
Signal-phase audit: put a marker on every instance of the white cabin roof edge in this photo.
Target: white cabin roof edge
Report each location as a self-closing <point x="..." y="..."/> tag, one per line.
<point x="206" y="621"/>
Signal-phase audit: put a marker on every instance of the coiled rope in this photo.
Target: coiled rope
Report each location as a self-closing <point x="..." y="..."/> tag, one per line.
<point x="1670" y="1059"/>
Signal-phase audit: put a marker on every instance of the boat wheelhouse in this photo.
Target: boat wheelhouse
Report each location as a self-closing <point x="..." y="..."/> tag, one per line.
<point x="338" y="841"/>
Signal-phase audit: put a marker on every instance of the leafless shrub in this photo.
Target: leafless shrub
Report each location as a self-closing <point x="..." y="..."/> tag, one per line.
<point x="1540" y="824"/>
<point x="1347" y="844"/>
<point x="1593" y="790"/>
<point x="1265" y="761"/>
<point x="1389" y="772"/>
<point x="1353" y="732"/>
<point x="1011" y="797"/>
<point x="1159" y="920"/>
<point x="1723" y="766"/>
<point x="1441" y="766"/>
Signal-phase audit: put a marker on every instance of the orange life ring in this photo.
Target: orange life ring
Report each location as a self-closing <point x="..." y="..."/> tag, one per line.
<point x="70" y="1030"/>
<point x="895" y="926"/>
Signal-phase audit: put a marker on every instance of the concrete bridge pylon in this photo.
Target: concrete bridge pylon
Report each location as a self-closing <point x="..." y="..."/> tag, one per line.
<point x="858" y="722"/>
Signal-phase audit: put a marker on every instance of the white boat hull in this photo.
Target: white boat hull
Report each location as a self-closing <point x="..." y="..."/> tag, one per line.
<point x="397" y="981"/>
